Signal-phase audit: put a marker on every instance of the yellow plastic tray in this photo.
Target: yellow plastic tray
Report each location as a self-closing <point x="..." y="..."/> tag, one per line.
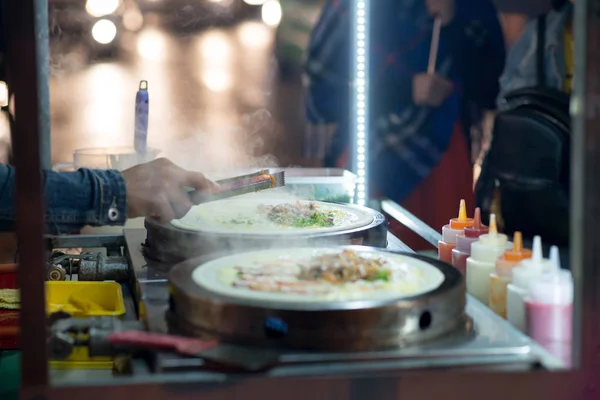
<point x="108" y="295"/>
<point x="80" y="359"/>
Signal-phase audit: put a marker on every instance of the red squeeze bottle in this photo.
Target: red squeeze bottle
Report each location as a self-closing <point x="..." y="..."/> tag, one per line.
<point x="464" y="240"/>
<point x="455" y="227"/>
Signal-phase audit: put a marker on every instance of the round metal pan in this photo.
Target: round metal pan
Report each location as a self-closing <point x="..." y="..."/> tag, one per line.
<point x="340" y="326"/>
<point x="169" y="244"/>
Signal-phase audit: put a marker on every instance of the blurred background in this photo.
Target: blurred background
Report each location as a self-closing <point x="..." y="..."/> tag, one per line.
<point x="224" y="76"/>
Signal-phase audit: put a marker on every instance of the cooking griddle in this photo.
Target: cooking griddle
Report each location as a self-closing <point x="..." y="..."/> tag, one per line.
<point x="166" y="243"/>
<point x="339" y="326"/>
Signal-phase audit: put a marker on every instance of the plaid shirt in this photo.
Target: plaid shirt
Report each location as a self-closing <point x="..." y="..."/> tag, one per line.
<point x="409" y="140"/>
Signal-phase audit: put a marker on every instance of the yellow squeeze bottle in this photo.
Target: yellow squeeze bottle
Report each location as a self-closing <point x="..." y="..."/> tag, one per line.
<point x="502" y="276"/>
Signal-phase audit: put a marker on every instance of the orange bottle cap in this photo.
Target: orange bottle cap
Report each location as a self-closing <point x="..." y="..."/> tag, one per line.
<point x="518" y="253"/>
<point x="462" y="221"/>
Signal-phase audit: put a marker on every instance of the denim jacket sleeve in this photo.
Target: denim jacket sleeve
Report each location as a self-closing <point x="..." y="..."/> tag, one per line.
<point x="72" y="199"/>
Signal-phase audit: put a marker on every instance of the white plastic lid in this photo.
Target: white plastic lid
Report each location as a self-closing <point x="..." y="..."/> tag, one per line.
<point x="489" y="248"/>
<point x="552" y="288"/>
<point x="555" y="258"/>
<point x="449" y="235"/>
<point x="532" y="268"/>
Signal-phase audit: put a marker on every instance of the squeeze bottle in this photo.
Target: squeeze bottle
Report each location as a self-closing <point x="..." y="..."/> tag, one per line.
<point x="549" y="309"/>
<point x="527" y="272"/>
<point x="464" y="241"/>
<point x="502" y="276"/>
<point x="141" y="118"/>
<point x="455" y="227"/>
<point x="482" y="261"/>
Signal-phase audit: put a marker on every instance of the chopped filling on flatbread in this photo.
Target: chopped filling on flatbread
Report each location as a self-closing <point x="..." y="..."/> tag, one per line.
<point x="346" y="266"/>
<point x="319" y="275"/>
<point x="298" y="215"/>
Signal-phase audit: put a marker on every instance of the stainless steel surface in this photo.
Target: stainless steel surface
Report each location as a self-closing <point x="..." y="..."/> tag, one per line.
<point x="166" y="243"/>
<point x="85" y="241"/>
<point x="395" y="244"/>
<point x="495" y="343"/>
<point x="495" y="346"/>
<point x="410" y="221"/>
<point x="325" y="326"/>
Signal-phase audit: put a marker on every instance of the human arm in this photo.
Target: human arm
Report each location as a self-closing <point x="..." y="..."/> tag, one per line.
<point x="73" y="199"/>
<point x="107" y="197"/>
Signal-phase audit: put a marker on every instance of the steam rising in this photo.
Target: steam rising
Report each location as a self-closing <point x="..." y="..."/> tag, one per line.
<point x="230" y="149"/>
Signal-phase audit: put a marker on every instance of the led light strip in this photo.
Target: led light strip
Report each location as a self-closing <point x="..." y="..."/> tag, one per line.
<point x="360" y="100"/>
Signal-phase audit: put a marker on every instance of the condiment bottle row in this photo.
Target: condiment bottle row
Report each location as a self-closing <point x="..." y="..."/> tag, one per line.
<point x="532" y="292"/>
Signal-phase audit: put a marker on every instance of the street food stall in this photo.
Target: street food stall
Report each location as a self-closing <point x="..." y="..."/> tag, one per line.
<point x="190" y="309"/>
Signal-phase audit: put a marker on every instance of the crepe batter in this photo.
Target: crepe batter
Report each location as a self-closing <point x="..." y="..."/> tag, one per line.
<point x="226" y="276"/>
<point x="243" y="216"/>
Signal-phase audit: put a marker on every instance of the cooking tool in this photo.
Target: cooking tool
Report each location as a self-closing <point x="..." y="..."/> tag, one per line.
<point x="167" y="243"/>
<point x="182" y="345"/>
<point x="106" y="336"/>
<point x="323" y="184"/>
<point x="335" y="326"/>
<point x="244" y="184"/>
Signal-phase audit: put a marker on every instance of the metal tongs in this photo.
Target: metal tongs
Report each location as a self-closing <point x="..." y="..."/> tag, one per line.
<point x="244" y="184"/>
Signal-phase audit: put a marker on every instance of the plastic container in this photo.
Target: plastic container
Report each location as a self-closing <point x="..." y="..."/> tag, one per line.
<point x="481" y="263"/>
<point x="462" y="251"/>
<point x="455" y="227"/>
<point x="549" y="310"/>
<point x="119" y="158"/>
<point x="322" y="184"/>
<point x="108" y="295"/>
<point x="527" y="272"/>
<point x="502" y="276"/>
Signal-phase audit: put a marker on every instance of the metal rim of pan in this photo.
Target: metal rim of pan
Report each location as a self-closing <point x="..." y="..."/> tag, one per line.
<point x="340" y="326"/>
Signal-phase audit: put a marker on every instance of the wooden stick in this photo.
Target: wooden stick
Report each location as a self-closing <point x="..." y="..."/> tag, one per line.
<point x="435" y="44"/>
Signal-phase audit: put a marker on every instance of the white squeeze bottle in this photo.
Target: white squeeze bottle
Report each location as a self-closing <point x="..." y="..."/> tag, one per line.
<point x="530" y="270"/>
<point x="482" y="262"/>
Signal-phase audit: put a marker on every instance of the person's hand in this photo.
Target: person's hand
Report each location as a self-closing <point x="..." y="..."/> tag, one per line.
<point x="442" y="9"/>
<point x="430" y="90"/>
<point x="156" y="189"/>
